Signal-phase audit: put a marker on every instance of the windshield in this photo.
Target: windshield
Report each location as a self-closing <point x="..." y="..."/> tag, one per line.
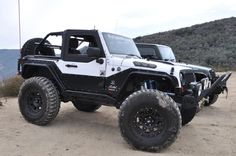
<point x="120" y="45"/>
<point x="166" y="53"/>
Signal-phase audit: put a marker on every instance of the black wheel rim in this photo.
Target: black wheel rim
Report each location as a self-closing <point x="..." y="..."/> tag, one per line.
<point x="147" y="122"/>
<point x="34" y="102"/>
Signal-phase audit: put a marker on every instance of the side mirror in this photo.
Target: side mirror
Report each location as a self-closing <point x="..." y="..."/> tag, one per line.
<point x="93" y="52"/>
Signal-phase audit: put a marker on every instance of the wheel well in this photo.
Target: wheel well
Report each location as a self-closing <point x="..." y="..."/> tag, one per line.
<point x="42" y="71"/>
<point x="137" y="82"/>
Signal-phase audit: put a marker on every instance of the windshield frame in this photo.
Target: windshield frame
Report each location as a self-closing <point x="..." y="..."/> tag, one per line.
<point x="166" y="51"/>
<point x="116" y="49"/>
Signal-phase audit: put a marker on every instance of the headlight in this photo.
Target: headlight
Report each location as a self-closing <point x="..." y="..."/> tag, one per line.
<point x="181" y="77"/>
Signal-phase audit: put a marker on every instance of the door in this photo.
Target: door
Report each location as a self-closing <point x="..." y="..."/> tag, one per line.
<point x="79" y="71"/>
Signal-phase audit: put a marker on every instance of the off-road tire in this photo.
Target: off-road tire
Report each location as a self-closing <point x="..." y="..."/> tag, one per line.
<point x="39" y="101"/>
<point x="167" y="116"/>
<point x="29" y="48"/>
<point x="212" y="100"/>
<point x="188" y="115"/>
<point x="85" y="106"/>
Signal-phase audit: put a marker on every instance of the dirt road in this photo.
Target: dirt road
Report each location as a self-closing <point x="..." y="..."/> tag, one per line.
<point x="211" y="133"/>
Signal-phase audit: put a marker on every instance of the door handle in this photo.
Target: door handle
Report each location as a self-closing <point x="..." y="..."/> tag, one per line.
<point x="71" y="65"/>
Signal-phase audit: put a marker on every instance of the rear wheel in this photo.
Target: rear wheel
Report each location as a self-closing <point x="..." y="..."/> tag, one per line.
<point x="86" y="106"/>
<point x="39" y="100"/>
<point x="149" y="120"/>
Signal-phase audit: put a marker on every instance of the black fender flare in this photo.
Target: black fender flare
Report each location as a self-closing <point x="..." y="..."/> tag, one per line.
<point x="147" y="74"/>
<point x="29" y="69"/>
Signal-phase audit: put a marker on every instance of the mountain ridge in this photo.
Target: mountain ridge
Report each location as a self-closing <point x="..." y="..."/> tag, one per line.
<point x="210" y="44"/>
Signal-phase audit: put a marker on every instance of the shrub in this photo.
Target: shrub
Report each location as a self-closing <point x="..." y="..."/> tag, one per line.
<point x="209" y="44"/>
<point x="11" y="86"/>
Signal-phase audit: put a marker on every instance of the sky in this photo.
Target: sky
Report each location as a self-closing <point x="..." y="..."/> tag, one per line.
<point x="130" y="18"/>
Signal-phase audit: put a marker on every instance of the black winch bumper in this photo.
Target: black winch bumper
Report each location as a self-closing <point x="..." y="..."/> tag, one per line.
<point x="191" y="100"/>
<point x="217" y="87"/>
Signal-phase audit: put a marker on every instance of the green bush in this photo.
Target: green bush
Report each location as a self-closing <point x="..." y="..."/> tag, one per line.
<point x="10" y="87"/>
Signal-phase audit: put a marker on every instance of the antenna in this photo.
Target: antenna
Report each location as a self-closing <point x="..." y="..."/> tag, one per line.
<point x="19" y="24"/>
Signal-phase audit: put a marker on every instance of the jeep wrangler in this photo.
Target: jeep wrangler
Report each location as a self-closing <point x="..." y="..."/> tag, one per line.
<point x="205" y="75"/>
<point x="92" y="68"/>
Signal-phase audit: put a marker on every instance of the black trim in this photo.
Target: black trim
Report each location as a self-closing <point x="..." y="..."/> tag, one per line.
<point x="75" y="57"/>
<point x="92" y="97"/>
<point x="32" y="65"/>
<point x="122" y="78"/>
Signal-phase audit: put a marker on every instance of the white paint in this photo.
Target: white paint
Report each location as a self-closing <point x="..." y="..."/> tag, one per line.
<point x="89" y="69"/>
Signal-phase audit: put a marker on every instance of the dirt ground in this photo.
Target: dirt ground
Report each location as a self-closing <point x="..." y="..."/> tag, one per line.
<point x="211" y="133"/>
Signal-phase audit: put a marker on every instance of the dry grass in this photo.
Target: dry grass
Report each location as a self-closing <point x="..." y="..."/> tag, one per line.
<point x="10" y="87"/>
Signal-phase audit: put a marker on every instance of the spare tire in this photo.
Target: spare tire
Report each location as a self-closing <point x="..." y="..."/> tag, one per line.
<point x="29" y="48"/>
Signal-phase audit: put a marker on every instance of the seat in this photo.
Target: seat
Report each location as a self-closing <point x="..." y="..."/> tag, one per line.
<point x="73" y="45"/>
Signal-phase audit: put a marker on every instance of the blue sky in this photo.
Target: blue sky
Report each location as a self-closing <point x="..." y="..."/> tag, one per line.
<point x="130" y="18"/>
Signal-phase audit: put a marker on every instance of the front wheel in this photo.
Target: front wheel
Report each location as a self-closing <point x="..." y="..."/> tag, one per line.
<point x="149" y="120"/>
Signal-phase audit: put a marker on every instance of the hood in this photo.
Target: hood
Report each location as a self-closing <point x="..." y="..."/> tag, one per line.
<point x="194" y="67"/>
<point x="198" y="69"/>
<point x="126" y="61"/>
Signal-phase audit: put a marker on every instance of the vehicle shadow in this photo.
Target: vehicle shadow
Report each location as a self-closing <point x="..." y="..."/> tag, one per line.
<point x="69" y="115"/>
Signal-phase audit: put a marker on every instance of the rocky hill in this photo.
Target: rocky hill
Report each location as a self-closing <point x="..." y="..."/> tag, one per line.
<point x="210" y="44"/>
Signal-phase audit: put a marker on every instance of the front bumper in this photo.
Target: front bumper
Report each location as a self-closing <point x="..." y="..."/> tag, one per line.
<point x="192" y="97"/>
<point x="217" y="87"/>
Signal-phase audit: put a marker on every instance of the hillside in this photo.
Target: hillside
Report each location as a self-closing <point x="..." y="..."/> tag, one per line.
<point x="8" y="62"/>
<point x="210" y="44"/>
